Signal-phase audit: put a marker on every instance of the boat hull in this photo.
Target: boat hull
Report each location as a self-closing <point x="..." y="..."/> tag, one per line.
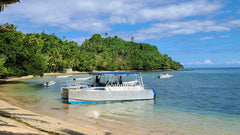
<point x="102" y="96"/>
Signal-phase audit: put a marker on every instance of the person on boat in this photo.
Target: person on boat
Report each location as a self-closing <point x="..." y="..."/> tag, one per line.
<point x="97" y="82"/>
<point x="120" y="80"/>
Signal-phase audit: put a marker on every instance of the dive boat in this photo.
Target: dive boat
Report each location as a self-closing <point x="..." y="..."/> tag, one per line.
<point x="109" y="87"/>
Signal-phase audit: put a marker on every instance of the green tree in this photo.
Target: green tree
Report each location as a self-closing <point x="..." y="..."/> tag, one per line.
<point x="132" y="38"/>
<point x="3" y="69"/>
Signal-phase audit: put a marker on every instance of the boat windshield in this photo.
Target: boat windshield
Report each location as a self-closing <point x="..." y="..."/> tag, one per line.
<point x="118" y="78"/>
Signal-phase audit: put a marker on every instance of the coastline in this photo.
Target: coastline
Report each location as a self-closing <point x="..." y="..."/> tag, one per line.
<point x="45" y="74"/>
<point x="67" y="73"/>
<point x="56" y="74"/>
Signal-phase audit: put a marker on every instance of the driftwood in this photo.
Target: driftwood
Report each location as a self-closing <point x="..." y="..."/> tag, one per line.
<point x="4" y="27"/>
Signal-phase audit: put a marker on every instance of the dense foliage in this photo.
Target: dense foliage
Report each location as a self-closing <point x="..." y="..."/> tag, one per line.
<point x="113" y="53"/>
<point x="33" y="54"/>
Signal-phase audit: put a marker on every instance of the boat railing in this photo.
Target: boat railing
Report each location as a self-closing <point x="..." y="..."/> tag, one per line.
<point x="121" y="85"/>
<point x="76" y="83"/>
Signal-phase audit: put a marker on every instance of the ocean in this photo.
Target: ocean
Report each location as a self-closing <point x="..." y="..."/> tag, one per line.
<point x="193" y="102"/>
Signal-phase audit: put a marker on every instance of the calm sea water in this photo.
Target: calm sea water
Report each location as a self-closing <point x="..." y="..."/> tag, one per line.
<point x="200" y="101"/>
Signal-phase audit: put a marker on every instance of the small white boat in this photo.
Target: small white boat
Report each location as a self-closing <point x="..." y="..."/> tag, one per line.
<point x="165" y="76"/>
<point x="82" y="78"/>
<point x="109" y="87"/>
<point x="49" y="83"/>
<point x="64" y="76"/>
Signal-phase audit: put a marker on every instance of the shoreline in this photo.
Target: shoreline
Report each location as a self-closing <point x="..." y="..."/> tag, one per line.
<point x="15" y="120"/>
<point x="68" y="73"/>
<point x="45" y="74"/>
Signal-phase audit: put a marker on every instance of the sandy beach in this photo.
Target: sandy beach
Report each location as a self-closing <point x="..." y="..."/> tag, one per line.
<point x="15" y="120"/>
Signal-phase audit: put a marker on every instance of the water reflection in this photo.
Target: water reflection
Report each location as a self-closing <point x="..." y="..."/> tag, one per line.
<point x="133" y="111"/>
<point x="4" y="3"/>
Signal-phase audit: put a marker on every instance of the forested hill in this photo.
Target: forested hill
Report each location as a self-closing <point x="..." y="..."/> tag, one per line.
<point x="113" y="53"/>
<point x="37" y="53"/>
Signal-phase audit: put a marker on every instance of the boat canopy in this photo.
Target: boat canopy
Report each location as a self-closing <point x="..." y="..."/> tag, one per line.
<point x="114" y="73"/>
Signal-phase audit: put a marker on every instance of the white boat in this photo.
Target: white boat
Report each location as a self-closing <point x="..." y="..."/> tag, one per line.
<point x="82" y="78"/>
<point x="49" y="83"/>
<point x="108" y="87"/>
<point x="64" y="76"/>
<point x="165" y="76"/>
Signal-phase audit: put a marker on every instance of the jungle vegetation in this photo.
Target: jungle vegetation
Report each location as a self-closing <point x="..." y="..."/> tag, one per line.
<point x="36" y="53"/>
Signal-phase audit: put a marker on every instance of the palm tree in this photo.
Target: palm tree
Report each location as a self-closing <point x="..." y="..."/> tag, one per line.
<point x="106" y="34"/>
<point x="132" y="38"/>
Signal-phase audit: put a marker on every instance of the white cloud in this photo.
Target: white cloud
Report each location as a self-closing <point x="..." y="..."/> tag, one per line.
<point x="233" y="62"/>
<point x="213" y="37"/>
<point x="102" y="16"/>
<point x="206" y="38"/>
<point x="234" y="23"/>
<point x="176" y="11"/>
<point x="185" y="27"/>
<point x="207" y="62"/>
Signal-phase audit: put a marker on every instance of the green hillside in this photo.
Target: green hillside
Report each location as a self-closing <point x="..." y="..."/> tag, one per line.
<point x="37" y="53"/>
<point x="113" y="53"/>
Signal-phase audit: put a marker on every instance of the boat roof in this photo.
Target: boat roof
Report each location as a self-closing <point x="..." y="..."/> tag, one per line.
<point x="114" y="73"/>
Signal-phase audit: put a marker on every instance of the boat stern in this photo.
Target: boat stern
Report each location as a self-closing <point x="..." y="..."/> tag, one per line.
<point x="64" y="93"/>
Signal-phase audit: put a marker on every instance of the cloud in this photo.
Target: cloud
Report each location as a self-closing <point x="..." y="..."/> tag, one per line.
<point x="233" y="62"/>
<point x="170" y="17"/>
<point x="205" y="62"/>
<point x="184" y="27"/>
<point x="99" y="16"/>
<point x="209" y="62"/>
<point x="206" y="38"/>
<point x="213" y="37"/>
<point x="176" y="11"/>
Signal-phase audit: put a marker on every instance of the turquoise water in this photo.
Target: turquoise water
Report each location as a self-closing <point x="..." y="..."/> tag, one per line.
<point x="200" y="101"/>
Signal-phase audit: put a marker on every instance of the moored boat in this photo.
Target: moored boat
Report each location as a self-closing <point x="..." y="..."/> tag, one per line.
<point x="165" y="76"/>
<point x="63" y="76"/>
<point x="82" y="78"/>
<point x="49" y="83"/>
<point x="108" y="87"/>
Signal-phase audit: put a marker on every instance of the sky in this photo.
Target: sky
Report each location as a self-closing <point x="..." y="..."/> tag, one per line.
<point x="196" y="33"/>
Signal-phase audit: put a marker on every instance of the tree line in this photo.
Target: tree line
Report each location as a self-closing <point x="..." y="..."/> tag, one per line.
<point x="38" y="53"/>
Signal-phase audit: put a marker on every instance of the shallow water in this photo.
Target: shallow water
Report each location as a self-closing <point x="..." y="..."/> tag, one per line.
<point x="201" y="101"/>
